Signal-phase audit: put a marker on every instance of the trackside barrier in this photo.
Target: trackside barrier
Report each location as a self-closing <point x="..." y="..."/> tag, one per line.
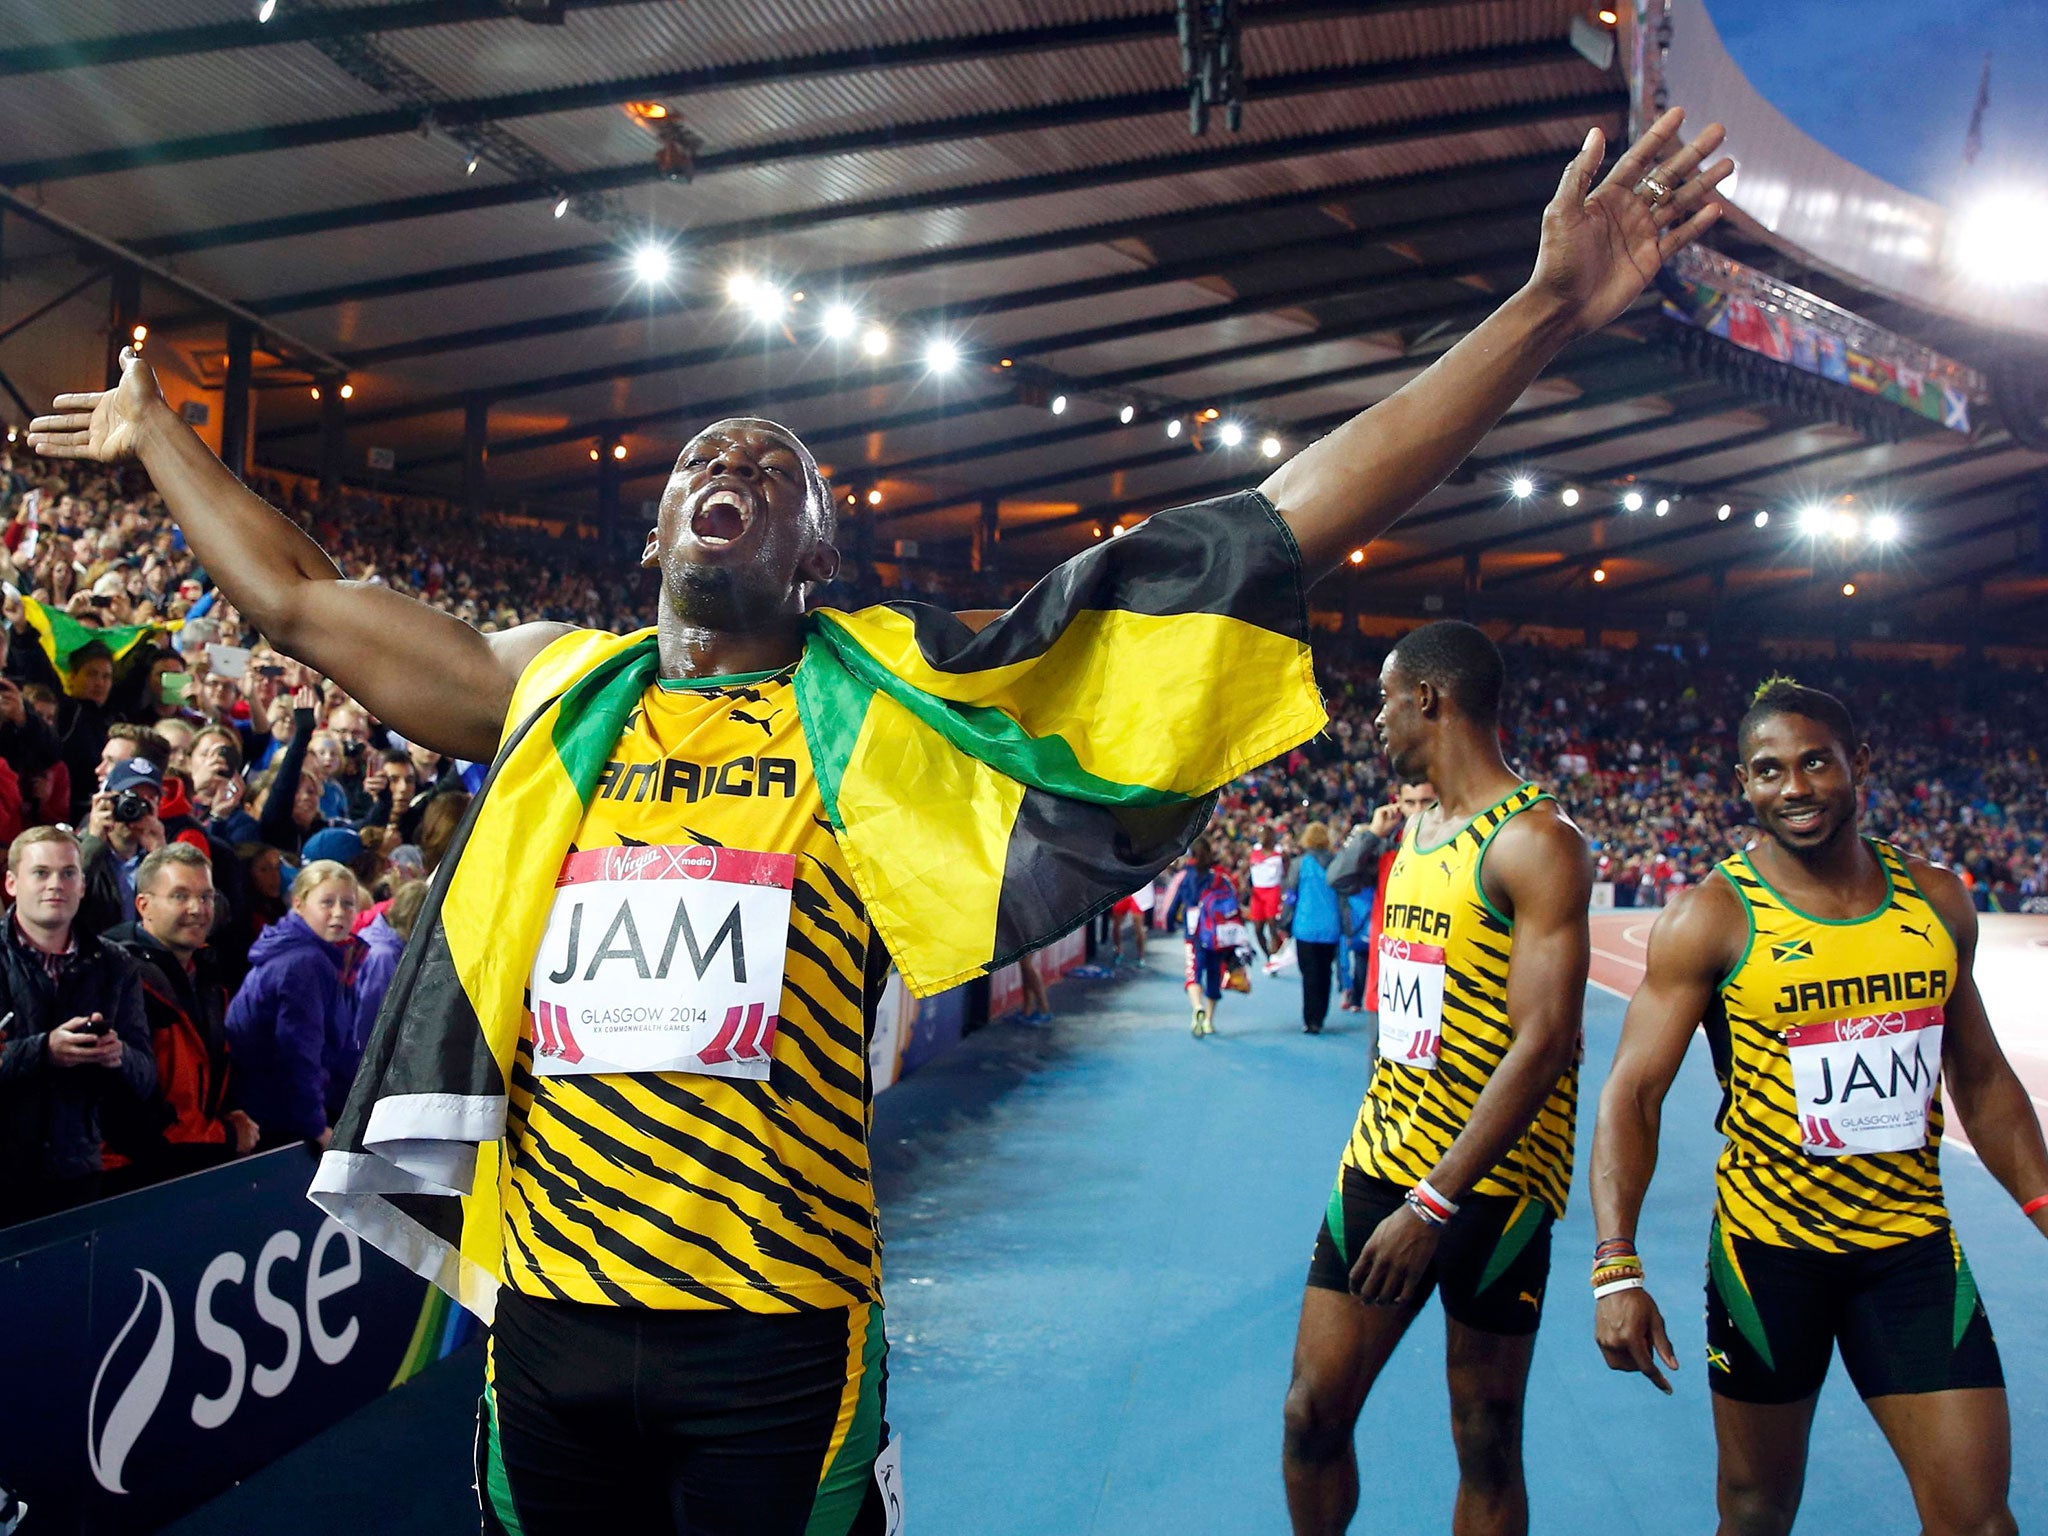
<point x="160" y="1346"/>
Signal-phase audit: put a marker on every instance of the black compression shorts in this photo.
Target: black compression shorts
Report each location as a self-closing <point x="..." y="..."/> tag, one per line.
<point x="1491" y="1263"/>
<point x="636" y="1422"/>
<point x="1908" y="1319"/>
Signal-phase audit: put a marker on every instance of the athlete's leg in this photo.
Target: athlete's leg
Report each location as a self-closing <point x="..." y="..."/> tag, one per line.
<point x="768" y="1425"/>
<point x="1340" y="1347"/>
<point x="1918" y="1345"/>
<point x="1762" y="1464"/>
<point x="1956" y="1448"/>
<point x="557" y="1449"/>
<point x="1489" y="1377"/>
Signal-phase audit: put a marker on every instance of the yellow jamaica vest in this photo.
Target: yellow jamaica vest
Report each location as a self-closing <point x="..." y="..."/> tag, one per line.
<point x="1443" y="1002"/>
<point x="677" y="1189"/>
<point x="1826" y="1037"/>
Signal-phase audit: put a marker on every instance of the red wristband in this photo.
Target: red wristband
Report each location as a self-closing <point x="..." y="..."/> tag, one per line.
<point x="2038" y="1203"/>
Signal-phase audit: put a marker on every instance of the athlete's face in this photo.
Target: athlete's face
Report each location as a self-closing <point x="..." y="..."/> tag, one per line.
<point x="1400" y="722"/>
<point x="1801" y="781"/>
<point x="738" y="536"/>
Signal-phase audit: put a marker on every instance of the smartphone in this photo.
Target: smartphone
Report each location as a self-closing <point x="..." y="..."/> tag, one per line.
<point x="96" y="1027"/>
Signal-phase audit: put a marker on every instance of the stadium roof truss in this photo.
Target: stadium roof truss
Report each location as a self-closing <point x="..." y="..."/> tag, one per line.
<point x="443" y="200"/>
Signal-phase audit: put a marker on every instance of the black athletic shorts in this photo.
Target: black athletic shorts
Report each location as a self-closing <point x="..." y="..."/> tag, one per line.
<point x="1491" y="1263"/>
<point x="1908" y="1319"/>
<point x="628" y="1421"/>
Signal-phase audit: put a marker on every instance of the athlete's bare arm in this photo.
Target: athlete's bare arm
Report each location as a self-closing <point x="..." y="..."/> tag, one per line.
<point x="1987" y="1095"/>
<point x="1539" y="873"/>
<point x="431" y="676"/>
<point x="1695" y="943"/>
<point x="1600" y="248"/>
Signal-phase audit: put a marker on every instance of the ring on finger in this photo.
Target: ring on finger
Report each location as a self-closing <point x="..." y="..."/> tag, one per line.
<point x="1653" y="191"/>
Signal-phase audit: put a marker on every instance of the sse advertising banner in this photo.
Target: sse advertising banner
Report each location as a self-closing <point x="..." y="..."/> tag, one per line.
<point x="163" y="1345"/>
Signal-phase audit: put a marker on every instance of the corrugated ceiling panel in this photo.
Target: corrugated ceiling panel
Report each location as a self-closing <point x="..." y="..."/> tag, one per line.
<point x="126" y="104"/>
<point x="632" y="40"/>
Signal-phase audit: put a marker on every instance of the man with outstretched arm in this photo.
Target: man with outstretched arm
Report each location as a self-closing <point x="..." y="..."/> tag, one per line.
<point x="666" y="1204"/>
<point x="1461" y="1156"/>
<point x="1833" y="975"/>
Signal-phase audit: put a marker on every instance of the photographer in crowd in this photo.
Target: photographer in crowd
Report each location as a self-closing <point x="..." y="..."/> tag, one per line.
<point x="73" y="1040"/>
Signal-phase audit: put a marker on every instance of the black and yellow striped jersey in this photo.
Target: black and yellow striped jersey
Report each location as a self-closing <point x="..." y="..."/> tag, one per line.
<point x="677" y="1190"/>
<point x="1443" y="1002"/>
<point x="1826" y="1037"/>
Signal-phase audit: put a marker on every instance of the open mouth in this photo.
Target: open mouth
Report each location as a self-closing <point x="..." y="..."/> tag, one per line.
<point x="721" y="518"/>
<point x="1804" y="819"/>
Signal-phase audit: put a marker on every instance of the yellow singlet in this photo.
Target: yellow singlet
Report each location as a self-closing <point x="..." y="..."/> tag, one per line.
<point x="1827" y="1040"/>
<point x="679" y="1190"/>
<point x="1443" y="966"/>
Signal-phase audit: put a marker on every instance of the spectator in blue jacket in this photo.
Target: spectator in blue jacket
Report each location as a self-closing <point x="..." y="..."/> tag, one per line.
<point x="292" y="1027"/>
<point x="1316" y="923"/>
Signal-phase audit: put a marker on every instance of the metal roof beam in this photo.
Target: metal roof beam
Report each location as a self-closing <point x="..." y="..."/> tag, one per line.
<point x="1706" y="567"/>
<point x="815" y="389"/>
<point x="892" y="136"/>
<point x="295" y="26"/>
<point x="302" y="25"/>
<point x="1123" y="330"/>
<point x="1525" y="213"/>
<point x="710" y="236"/>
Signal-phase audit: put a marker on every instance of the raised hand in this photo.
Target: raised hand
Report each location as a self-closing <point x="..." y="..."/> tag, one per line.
<point x="1602" y="245"/>
<point x="105" y="424"/>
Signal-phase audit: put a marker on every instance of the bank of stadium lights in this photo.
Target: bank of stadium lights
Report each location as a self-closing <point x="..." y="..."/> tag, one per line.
<point x="1723" y="512"/>
<point x="1230" y="434"/>
<point x="561" y="205"/>
<point x="139" y="334"/>
<point x="760" y="298"/>
<point x="1812" y="520"/>
<point x="619" y="452"/>
<point x="942" y="354"/>
<point x="1599" y="574"/>
<point x="1632" y="501"/>
<point x="874" y="498"/>
<point x="1884" y="527"/>
<point x="1127" y="415"/>
<point x="874" y="341"/>
<point x="1848" y="589"/>
<point x="1059" y="405"/>
<point x="469" y="166"/>
<point x="1569" y="496"/>
<point x="265" y="10"/>
<point x="1358" y="557"/>
<point x="1763" y="519"/>
<point x="1521" y="487"/>
<point x="1270" y="447"/>
<point x="1173" y="427"/>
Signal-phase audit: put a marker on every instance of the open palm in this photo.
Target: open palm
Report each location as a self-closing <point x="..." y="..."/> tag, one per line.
<point x="106" y="424"/>
<point x="1603" y="244"/>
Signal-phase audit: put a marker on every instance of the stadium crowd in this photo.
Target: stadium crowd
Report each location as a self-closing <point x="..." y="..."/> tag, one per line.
<point x="215" y="856"/>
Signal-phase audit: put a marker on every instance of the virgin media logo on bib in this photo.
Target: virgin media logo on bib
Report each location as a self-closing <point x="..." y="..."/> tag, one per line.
<point x="662" y="959"/>
<point x="1864" y="1084"/>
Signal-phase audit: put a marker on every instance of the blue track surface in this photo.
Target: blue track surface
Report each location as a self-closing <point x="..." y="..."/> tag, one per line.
<point x="1097" y="1233"/>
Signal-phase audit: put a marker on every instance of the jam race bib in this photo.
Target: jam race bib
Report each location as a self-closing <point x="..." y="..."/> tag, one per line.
<point x="1864" y="1084"/>
<point x="662" y="959"/>
<point x="1411" y="1002"/>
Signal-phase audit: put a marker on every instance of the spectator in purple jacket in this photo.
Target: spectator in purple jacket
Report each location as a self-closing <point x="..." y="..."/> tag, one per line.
<point x="292" y="1027"/>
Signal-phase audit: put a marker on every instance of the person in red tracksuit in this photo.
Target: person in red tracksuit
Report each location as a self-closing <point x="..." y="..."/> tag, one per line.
<point x="1362" y="864"/>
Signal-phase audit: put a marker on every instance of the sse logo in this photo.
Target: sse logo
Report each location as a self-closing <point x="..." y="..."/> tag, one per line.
<point x="113" y="1430"/>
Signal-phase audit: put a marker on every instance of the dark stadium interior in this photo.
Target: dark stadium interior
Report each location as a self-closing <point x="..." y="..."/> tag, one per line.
<point x="1027" y="188"/>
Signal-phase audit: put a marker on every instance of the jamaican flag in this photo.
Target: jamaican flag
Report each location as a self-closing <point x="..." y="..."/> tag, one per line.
<point x="61" y="635"/>
<point x="991" y="789"/>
